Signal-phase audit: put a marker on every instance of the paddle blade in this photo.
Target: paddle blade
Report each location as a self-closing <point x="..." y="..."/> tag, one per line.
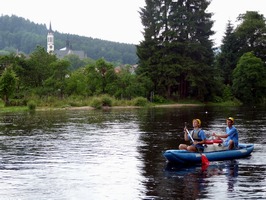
<point x="204" y="161"/>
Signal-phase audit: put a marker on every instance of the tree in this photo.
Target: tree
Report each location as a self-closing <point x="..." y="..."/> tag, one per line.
<point x="8" y="82"/>
<point x="229" y="55"/>
<point x="76" y="83"/>
<point x="248" y="36"/>
<point x="249" y="79"/>
<point x="128" y="85"/>
<point x="101" y="76"/>
<point x="56" y="84"/>
<point x="251" y="34"/>
<point x="39" y="67"/>
<point x="177" y="52"/>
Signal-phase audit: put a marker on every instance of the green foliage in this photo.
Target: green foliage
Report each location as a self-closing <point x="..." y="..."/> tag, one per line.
<point x="176" y="62"/>
<point x="16" y="102"/>
<point x="249" y="83"/>
<point x="8" y="82"/>
<point x="31" y="105"/>
<point x="101" y="101"/>
<point x="227" y="93"/>
<point x="39" y="68"/>
<point x="217" y="99"/>
<point x="177" y="51"/>
<point x="128" y="85"/>
<point x="227" y="59"/>
<point x="76" y="83"/>
<point x="140" y="101"/>
<point x="57" y="81"/>
<point x="96" y="103"/>
<point x="159" y="99"/>
<point x="106" y="100"/>
<point x="251" y="34"/>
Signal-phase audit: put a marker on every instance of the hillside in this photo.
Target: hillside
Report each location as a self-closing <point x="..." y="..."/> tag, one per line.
<point x="17" y="33"/>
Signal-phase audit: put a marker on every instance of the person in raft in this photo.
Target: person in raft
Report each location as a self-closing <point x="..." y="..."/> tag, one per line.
<point x="198" y="136"/>
<point x="231" y="135"/>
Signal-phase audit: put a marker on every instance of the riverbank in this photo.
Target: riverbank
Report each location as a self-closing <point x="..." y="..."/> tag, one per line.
<point x="117" y="107"/>
<point x="60" y="105"/>
<point x="25" y="108"/>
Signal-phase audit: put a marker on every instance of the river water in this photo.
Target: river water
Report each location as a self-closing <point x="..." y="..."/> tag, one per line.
<point x="117" y="154"/>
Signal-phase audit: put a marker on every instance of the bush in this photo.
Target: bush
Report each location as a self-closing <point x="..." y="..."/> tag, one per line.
<point x="140" y="101"/>
<point x="17" y="102"/>
<point x="31" y="105"/>
<point x="96" y="103"/>
<point x="106" y="100"/>
<point x="158" y="99"/>
<point x="227" y="94"/>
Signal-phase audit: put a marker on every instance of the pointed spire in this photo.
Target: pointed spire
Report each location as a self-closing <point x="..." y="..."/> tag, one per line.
<point x="67" y="42"/>
<point x="50" y="28"/>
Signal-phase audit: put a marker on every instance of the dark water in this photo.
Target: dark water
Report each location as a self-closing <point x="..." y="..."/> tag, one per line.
<point x="117" y="154"/>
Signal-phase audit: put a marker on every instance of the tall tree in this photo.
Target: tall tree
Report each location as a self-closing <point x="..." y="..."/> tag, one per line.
<point x="251" y="34"/>
<point x="176" y="52"/>
<point x="228" y="56"/>
<point x="147" y="51"/>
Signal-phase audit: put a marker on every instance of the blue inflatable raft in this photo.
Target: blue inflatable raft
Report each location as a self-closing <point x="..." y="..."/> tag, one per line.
<point x="212" y="152"/>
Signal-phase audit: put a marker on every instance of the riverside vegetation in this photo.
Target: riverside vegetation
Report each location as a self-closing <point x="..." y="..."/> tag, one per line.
<point x="172" y="67"/>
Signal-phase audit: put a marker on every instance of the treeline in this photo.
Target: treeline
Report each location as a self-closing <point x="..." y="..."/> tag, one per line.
<point x="177" y="61"/>
<point x="23" y="35"/>
<point x="42" y="76"/>
<point x="177" y="54"/>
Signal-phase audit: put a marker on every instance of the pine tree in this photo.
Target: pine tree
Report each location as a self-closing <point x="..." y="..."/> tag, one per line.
<point x="176" y="52"/>
<point x="227" y="58"/>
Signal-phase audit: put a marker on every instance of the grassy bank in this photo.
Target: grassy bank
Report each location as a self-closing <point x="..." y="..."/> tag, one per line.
<point x="3" y="108"/>
<point x="99" y="102"/>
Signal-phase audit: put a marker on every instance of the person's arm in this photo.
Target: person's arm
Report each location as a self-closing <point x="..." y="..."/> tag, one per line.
<point x="203" y="138"/>
<point x="220" y="135"/>
<point x="200" y="142"/>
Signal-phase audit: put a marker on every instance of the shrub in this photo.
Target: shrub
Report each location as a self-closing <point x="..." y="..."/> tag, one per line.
<point x="96" y="103"/>
<point x="158" y="99"/>
<point x="140" y="101"/>
<point x="31" y="105"/>
<point x="106" y="100"/>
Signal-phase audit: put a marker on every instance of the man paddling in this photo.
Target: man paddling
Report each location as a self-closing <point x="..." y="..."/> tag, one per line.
<point x="231" y="134"/>
<point x="198" y="138"/>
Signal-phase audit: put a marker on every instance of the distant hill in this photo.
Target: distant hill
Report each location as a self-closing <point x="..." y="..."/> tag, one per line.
<point x="17" y="33"/>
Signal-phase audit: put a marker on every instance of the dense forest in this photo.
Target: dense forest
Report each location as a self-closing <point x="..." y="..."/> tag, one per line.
<point x="20" y="34"/>
<point x="176" y="61"/>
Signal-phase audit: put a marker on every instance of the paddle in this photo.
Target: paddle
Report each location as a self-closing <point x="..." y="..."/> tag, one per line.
<point x="204" y="160"/>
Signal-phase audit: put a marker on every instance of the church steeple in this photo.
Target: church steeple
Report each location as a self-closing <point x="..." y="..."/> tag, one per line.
<point x="50" y="40"/>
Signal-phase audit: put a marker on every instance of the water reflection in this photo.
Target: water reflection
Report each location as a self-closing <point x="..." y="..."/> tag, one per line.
<point x="195" y="182"/>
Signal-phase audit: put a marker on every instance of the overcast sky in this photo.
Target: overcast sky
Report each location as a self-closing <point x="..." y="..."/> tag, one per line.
<point x="114" y="20"/>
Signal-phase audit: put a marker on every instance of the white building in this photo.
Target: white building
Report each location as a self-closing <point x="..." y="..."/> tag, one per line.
<point x="61" y="53"/>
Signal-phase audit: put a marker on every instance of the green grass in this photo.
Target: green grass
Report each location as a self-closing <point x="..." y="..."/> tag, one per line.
<point x="4" y="108"/>
<point x="13" y="109"/>
<point x="98" y="102"/>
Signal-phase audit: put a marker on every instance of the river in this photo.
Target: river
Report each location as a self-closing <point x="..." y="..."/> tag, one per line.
<point x="117" y="154"/>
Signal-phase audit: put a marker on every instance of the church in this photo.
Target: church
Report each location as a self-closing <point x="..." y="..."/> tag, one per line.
<point x="61" y="53"/>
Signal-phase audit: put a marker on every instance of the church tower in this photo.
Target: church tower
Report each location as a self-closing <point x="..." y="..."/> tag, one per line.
<point x="50" y="40"/>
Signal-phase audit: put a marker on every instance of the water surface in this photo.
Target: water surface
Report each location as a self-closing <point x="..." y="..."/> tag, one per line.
<point x="117" y="154"/>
